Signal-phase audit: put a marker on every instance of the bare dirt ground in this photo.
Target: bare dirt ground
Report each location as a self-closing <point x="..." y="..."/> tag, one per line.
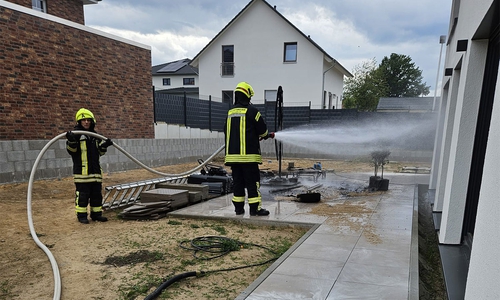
<point x="128" y="259"/>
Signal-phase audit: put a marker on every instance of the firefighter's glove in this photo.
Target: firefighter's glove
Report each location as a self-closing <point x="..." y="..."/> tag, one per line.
<point x="269" y="135"/>
<point x="107" y="143"/>
<point x="71" y="137"/>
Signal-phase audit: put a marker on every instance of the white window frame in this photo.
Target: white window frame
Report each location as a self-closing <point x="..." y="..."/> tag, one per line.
<point x="39" y="5"/>
<point x="290" y="52"/>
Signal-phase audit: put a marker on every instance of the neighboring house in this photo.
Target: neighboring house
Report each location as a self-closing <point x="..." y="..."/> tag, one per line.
<point x="260" y="46"/>
<point x="411" y="104"/>
<point x="176" y="77"/>
<point x="52" y="65"/>
<point x="465" y="179"/>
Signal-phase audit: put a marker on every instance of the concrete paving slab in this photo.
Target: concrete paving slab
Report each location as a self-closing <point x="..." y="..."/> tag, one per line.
<point x="364" y="254"/>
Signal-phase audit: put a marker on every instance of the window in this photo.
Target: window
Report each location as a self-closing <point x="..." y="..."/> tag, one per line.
<point x="39" y="5"/>
<point x="227" y="97"/>
<point x="227" y="65"/>
<point x="290" y="54"/>
<point x="188" y="81"/>
<point x="166" y="81"/>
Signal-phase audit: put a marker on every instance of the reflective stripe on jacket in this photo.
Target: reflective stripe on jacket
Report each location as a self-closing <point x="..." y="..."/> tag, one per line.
<point x="85" y="154"/>
<point x="243" y="129"/>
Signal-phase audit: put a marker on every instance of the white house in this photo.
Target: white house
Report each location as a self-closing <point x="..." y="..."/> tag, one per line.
<point x="260" y="46"/>
<point x="176" y="77"/>
<point x="465" y="179"/>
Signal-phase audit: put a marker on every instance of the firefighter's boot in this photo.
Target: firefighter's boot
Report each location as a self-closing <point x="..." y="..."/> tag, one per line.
<point x="97" y="216"/>
<point x="239" y="208"/>
<point x="255" y="211"/>
<point x="82" y="218"/>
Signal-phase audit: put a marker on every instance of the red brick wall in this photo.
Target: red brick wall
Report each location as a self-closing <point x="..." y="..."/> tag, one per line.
<point x="67" y="9"/>
<point x="25" y="3"/>
<point x="48" y="71"/>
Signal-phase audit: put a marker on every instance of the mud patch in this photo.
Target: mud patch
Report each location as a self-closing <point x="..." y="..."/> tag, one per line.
<point x="141" y="256"/>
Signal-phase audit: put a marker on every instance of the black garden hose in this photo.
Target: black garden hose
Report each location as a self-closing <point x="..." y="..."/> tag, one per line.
<point x="169" y="282"/>
<point x="216" y="246"/>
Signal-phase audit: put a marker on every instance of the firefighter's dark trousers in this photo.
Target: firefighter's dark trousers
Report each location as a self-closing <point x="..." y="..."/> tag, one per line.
<point x="88" y="193"/>
<point x="246" y="176"/>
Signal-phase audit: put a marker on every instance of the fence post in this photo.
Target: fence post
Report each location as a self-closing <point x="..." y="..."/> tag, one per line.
<point x="265" y="111"/>
<point x="154" y="105"/>
<point x="210" y="113"/>
<point x="185" y="110"/>
<point x="309" y="112"/>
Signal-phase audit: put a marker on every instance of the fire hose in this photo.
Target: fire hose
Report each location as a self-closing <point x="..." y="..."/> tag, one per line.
<point x="53" y="262"/>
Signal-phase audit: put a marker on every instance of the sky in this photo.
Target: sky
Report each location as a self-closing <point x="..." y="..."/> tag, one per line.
<point x="352" y="31"/>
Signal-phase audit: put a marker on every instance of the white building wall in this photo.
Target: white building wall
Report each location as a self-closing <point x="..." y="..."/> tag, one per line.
<point x="258" y="37"/>
<point x="462" y="142"/>
<point x="170" y="131"/>
<point x="484" y="268"/>
<point x="176" y="81"/>
<point x="461" y="120"/>
<point x="333" y="84"/>
<point x="446" y="141"/>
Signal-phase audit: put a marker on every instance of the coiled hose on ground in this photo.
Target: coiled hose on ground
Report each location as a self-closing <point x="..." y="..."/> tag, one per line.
<point x="215" y="246"/>
<point x="53" y="262"/>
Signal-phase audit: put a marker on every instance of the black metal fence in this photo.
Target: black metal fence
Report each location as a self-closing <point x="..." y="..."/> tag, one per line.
<point x="211" y="115"/>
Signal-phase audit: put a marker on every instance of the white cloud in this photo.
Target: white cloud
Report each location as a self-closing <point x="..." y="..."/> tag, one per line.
<point x="350" y="31"/>
<point x="165" y="46"/>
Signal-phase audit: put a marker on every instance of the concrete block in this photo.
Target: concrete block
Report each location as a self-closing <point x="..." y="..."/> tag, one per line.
<point x="3" y="157"/>
<point x="50" y="153"/>
<point x="23" y="166"/>
<point x="7" y="167"/>
<point x="15" y="156"/>
<point x="6" y="146"/>
<point x="61" y="153"/>
<point x="195" y="197"/>
<point x="203" y="189"/>
<point x="178" y="198"/>
<point x="38" y="144"/>
<point x="20" y="145"/>
<point x="31" y="154"/>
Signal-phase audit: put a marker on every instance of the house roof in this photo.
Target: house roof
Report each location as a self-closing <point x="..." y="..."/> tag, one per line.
<point x="337" y="65"/>
<point x="410" y="103"/>
<point x="180" y="90"/>
<point x="178" y="67"/>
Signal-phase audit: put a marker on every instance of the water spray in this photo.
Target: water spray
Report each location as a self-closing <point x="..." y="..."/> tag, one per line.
<point x="364" y="137"/>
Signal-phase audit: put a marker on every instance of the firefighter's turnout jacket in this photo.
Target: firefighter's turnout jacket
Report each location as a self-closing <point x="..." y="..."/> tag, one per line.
<point x="243" y="129"/>
<point x="85" y="154"/>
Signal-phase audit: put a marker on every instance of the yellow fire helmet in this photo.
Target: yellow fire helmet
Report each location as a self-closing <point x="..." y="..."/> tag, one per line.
<point x="245" y="88"/>
<point x="84" y="113"/>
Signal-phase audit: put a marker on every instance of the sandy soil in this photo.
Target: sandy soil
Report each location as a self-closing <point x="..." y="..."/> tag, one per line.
<point x="128" y="259"/>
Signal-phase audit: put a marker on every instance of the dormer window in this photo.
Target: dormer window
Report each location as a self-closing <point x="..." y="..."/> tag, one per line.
<point x="290" y="52"/>
<point x="39" y="5"/>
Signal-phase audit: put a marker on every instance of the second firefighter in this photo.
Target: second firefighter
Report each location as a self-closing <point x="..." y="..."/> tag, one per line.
<point x="244" y="128"/>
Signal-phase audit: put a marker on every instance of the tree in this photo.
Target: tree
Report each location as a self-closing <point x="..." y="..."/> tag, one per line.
<point x="364" y="89"/>
<point x="403" y="78"/>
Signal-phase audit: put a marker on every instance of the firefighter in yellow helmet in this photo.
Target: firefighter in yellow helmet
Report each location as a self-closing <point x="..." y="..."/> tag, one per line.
<point x="244" y="128"/>
<point x="85" y="151"/>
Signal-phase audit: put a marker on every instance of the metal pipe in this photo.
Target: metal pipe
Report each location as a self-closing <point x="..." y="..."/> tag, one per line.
<point x="442" y="40"/>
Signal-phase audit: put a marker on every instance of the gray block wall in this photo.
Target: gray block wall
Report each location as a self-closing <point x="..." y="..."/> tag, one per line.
<point x="17" y="158"/>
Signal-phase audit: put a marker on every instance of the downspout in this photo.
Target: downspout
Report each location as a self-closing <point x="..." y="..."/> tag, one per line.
<point x="323" y="83"/>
